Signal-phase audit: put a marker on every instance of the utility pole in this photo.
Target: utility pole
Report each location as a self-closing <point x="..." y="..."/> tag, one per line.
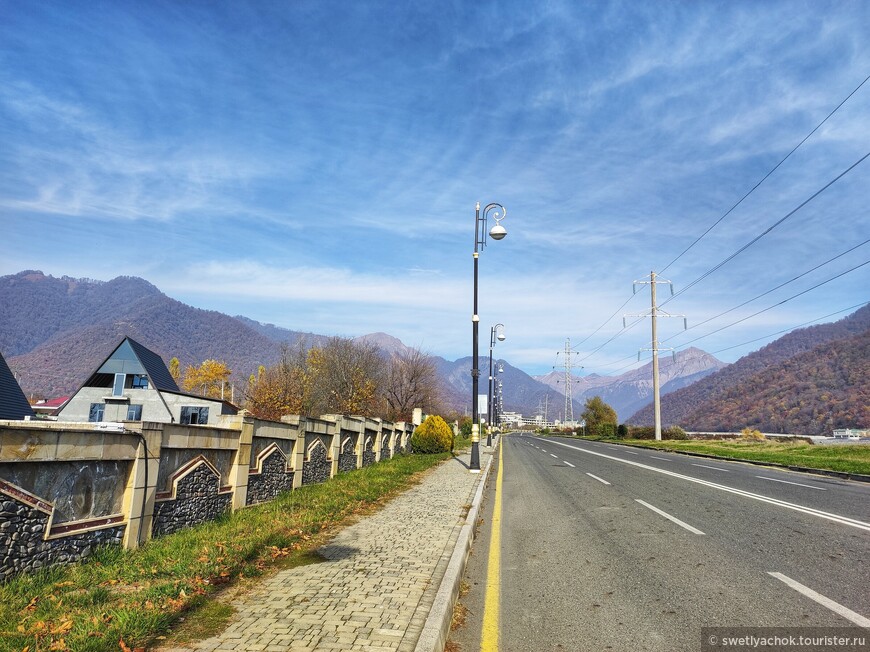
<point x="569" y="380"/>
<point x="654" y="313"/>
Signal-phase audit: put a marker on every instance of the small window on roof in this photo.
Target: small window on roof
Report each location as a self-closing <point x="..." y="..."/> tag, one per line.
<point x="118" y="387"/>
<point x="139" y="381"/>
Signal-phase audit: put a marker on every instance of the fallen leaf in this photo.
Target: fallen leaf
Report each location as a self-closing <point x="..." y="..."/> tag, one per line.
<point x="124" y="647"/>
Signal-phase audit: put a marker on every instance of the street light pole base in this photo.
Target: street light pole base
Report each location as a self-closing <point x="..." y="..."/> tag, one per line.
<point x="474" y="471"/>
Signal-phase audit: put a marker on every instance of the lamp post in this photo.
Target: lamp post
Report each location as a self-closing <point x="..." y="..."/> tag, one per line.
<point x="496" y="233"/>
<point x="494" y="334"/>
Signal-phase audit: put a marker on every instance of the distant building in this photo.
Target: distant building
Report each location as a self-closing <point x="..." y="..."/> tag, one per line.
<point x="48" y="407"/>
<point x="134" y="384"/>
<point x="13" y="403"/>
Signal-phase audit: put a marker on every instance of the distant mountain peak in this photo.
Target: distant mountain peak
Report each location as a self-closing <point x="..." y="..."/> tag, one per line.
<point x="383" y="341"/>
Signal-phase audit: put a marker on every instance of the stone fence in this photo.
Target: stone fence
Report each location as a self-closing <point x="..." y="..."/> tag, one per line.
<point x="66" y="488"/>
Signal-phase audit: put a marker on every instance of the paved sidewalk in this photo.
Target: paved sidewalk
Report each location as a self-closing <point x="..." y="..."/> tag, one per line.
<point x="379" y="583"/>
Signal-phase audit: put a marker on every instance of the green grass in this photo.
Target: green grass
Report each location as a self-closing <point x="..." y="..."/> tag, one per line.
<point x="120" y="599"/>
<point x="847" y="458"/>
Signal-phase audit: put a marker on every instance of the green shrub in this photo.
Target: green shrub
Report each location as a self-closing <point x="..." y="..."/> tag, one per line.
<point x="432" y="436"/>
<point x="465" y="424"/>
<point x="642" y="432"/>
<point x="674" y="432"/>
<point x="622" y="431"/>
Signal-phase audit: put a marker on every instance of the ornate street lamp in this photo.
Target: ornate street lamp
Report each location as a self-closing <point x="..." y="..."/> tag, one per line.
<point x="494" y="333"/>
<point x="496" y="233"/>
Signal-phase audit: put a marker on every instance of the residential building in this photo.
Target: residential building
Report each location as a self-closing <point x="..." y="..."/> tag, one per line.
<point x="134" y="384"/>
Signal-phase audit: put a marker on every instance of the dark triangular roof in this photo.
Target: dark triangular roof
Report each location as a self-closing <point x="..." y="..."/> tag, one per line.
<point x="151" y="363"/>
<point x="13" y="402"/>
<point x="154" y="365"/>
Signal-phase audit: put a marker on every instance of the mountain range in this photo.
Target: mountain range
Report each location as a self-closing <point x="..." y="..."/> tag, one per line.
<point x="55" y="331"/>
<point x="632" y="390"/>
<point x="809" y="381"/>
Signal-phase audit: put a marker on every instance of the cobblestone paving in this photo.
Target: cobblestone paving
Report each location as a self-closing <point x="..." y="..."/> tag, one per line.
<point x="376" y="588"/>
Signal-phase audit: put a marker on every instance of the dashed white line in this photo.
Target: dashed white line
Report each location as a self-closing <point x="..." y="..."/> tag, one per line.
<point x="599" y="479"/>
<point x="715" y="468"/>
<point x="556" y="456"/>
<point x="836" y="607"/>
<point x="836" y="518"/>
<point x="663" y="459"/>
<point x="631" y="452"/>
<point x="673" y="519"/>
<point x="808" y="486"/>
<point x="569" y="464"/>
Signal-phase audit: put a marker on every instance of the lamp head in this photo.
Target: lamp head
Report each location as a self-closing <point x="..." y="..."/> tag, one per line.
<point x="498" y="232"/>
<point x="500" y="336"/>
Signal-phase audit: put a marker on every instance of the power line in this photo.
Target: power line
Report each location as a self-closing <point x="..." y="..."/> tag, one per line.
<point x="788" y="330"/>
<point x="781" y="285"/>
<point x="618" y="310"/>
<point x="771" y="228"/>
<point x="764" y="178"/>
<point x="794" y="296"/>
<point x="624" y="329"/>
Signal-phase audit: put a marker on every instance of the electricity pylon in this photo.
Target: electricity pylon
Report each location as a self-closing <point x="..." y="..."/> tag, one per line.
<point x="655" y="312"/>
<point x="569" y="380"/>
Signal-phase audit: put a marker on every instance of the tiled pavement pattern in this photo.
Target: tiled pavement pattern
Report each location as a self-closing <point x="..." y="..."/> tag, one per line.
<point x="378" y="584"/>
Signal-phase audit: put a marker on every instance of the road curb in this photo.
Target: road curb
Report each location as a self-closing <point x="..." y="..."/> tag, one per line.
<point x="843" y="475"/>
<point x="433" y="637"/>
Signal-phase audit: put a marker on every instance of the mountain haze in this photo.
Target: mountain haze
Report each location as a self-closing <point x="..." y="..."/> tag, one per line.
<point x="631" y="391"/>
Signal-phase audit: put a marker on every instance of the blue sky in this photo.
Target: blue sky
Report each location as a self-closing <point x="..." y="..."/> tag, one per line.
<point x="316" y="164"/>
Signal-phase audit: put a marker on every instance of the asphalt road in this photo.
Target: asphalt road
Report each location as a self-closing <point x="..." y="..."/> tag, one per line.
<point x="583" y="564"/>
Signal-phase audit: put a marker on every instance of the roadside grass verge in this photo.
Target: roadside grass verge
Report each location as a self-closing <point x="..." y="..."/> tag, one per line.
<point x="125" y="600"/>
<point x="846" y="458"/>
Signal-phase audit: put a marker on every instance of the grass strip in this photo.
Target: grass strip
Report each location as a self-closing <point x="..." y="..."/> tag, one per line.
<point x="845" y="458"/>
<point x="126" y="599"/>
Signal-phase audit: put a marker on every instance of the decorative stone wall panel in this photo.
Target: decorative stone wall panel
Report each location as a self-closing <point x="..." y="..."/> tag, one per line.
<point x="197" y="500"/>
<point x="272" y="479"/>
<point x="368" y="453"/>
<point x="347" y="457"/>
<point x="317" y="467"/>
<point x="23" y="548"/>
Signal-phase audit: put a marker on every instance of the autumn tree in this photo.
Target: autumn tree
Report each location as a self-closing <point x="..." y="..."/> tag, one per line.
<point x="339" y="377"/>
<point x="412" y="381"/>
<point x="209" y="379"/>
<point x="600" y="417"/>
<point x="175" y="369"/>
<point x="346" y="377"/>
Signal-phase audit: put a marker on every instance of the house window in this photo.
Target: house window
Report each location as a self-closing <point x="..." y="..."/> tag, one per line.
<point x="139" y="381"/>
<point x="194" y="415"/>
<point x="134" y="413"/>
<point x="96" y="413"/>
<point x="118" y="387"/>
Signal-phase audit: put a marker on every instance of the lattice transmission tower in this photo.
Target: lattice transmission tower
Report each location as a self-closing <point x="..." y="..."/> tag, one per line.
<point x="569" y="379"/>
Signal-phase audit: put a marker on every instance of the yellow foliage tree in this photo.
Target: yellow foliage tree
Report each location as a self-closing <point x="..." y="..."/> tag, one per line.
<point x="209" y="379"/>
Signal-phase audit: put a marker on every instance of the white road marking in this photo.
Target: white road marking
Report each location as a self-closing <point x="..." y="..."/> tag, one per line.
<point x="569" y="464"/>
<point x="842" y="520"/>
<point x="551" y="455"/>
<point x="599" y="479"/>
<point x="836" y="607"/>
<point x="631" y="452"/>
<point x="673" y="519"/>
<point x="663" y="459"/>
<point x="809" y="486"/>
<point x="715" y="468"/>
